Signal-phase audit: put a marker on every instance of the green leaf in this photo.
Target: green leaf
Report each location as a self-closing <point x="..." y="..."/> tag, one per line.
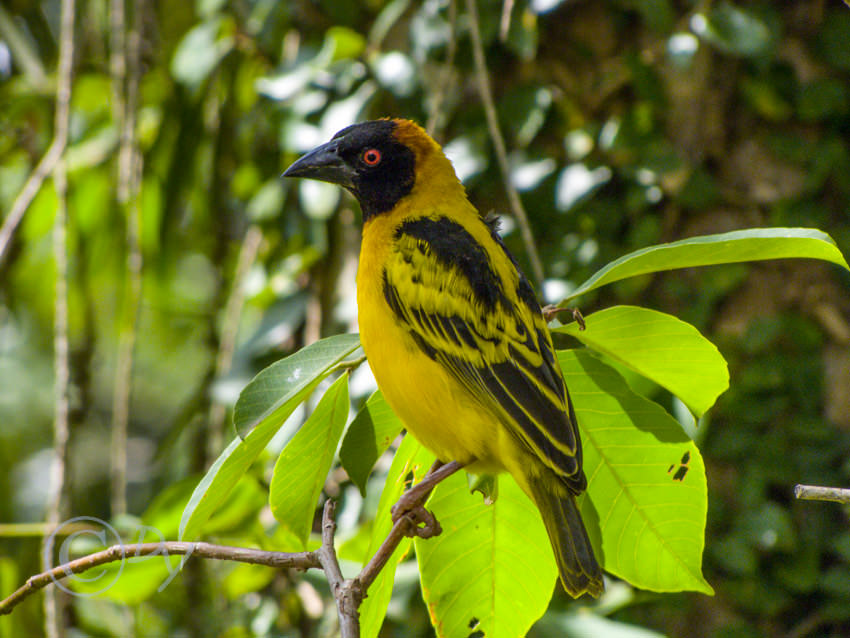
<point x="271" y="392"/>
<point x="734" y="30"/>
<point x="200" y="51"/>
<point x="129" y="581"/>
<point x="410" y="457"/>
<point x="646" y="497"/>
<point x="219" y="481"/>
<point x="661" y="347"/>
<point x="164" y="511"/>
<point x="491" y="572"/>
<point x="581" y="624"/>
<point x="10" y="624"/>
<point x="245" y="578"/>
<point x="264" y="405"/>
<point x="368" y="436"/>
<point x="753" y="244"/>
<point x="344" y="42"/>
<point x="244" y="504"/>
<point x="304" y="463"/>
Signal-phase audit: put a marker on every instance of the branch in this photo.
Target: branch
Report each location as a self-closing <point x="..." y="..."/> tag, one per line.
<point x="348" y="594"/>
<point x="505" y="20"/>
<point x="124" y="63"/>
<point x="53" y="606"/>
<point x="445" y="74"/>
<point x="54" y="152"/>
<point x="230" y="327"/>
<point x="279" y="560"/>
<point x="816" y="493"/>
<point x="408" y="514"/>
<point x="499" y="142"/>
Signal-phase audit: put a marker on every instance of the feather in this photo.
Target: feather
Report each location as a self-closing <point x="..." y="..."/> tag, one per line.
<point x="440" y="283"/>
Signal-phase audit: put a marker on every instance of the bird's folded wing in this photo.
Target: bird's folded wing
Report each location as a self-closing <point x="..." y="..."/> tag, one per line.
<point x="443" y="288"/>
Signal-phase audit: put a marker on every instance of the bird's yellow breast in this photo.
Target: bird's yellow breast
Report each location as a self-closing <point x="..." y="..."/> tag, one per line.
<point x="433" y="406"/>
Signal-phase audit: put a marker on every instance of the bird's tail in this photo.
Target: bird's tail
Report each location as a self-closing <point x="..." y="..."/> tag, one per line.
<point x="577" y="565"/>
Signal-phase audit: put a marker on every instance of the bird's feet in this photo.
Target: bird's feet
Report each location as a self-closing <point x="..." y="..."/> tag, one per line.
<point x="412" y="502"/>
<point x="551" y="310"/>
<point x="423" y="523"/>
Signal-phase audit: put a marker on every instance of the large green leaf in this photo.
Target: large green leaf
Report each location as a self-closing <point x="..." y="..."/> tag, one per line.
<point x="304" y="463"/>
<point x="270" y="393"/>
<point x="646" y="498"/>
<point x="660" y="347"/>
<point x="368" y="436"/>
<point x="491" y="572"/>
<point x="741" y="245"/>
<point x="410" y="457"/>
<point x="264" y="405"/>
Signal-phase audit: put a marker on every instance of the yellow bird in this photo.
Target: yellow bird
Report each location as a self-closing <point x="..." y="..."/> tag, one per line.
<point x="453" y="331"/>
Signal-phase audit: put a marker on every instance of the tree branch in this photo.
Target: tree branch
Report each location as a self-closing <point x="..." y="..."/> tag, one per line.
<point x="53" y="606"/>
<point x="230" y="327"/>
<point x="56" y="149"/>
<point x="816" y="493"/>
<point x="445" y="76"/>
<point x="347" y="596"/>
<point x="499" y="142"/>
<point x="408" y="514"/>
<point x="505" y="20"/>
<point x="279" y="560"/>
<point x="124" y="63"/>
<point x="348" y="593"/>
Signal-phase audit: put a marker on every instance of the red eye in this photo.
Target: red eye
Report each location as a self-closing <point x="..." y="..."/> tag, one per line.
<point x="372" y="157"/>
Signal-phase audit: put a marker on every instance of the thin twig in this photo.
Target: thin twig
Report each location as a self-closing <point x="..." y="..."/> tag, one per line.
<point x="347" y="596"/>
<point x="505" y="21"/>
<point x="446" y="72"/>
<point x="405" y="526"/>
<point x="60" y="137"/>
<point x="117" y="59"/>
<point x="499" y="142"/>
<point x="125" y="69"/>
<point x="28" y="193"/>
<point x="816" y="493"/>
<point x="400" y="530"/>
<point x="230" y="327"/>
<point x="348" y="593"/>
<point x="410" y="508"/>
<point x="278" y="560"/>
<point x="349" y="364"/>
<point x="61" y="364"/>
<point x="52" y="606"/>
<point x="23" y="53"/>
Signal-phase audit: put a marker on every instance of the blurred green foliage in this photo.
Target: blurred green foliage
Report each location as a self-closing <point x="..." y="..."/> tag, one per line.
<point x="628" y="123"/>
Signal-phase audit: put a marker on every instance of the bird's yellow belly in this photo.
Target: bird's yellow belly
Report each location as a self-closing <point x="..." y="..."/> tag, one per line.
<point x="435" y="408"/>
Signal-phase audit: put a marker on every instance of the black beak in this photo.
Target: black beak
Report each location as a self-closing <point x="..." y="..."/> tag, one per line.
<point x="325" y="164"/>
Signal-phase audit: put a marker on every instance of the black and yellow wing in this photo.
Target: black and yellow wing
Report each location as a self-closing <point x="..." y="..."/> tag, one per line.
<point x="487" y="330"/>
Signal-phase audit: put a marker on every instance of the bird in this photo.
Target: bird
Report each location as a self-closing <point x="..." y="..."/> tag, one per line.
<point x="453" y="331"/>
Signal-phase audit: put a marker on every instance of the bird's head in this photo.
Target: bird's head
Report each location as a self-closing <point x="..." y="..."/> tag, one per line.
<point x="377" y="161"/>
